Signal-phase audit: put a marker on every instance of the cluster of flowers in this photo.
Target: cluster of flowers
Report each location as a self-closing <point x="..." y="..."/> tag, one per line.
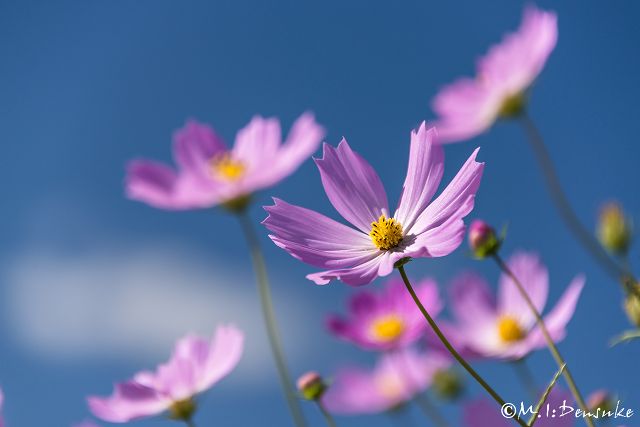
<point x="413" y="356"/>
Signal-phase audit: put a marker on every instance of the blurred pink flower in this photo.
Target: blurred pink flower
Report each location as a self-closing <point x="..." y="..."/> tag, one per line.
<point x="195" y="366"/>
<point x="417" y="229"/>
<point x="86" y="424"/>
<point x="1" y="402"/>
<point x="397" y="378"/>
<point x="483" y="412"/>
<point x="470" y="106"/>
<point x="210" y="174"/>
<point x="388" y="319"/>
<point x="507" y="329"/>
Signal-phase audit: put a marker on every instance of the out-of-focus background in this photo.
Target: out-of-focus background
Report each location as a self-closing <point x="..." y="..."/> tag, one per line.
<point x="94" y="286"/>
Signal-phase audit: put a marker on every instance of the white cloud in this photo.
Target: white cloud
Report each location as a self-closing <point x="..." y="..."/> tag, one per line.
<point x="132" y="303"/>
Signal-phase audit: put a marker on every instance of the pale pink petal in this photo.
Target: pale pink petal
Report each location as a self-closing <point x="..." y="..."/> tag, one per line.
<point x="558" y="318"/>
<point x="225" y="351"/>
<point x="303" y="140"/>
<point x="455" y="201"/>
<point x="130" y="401"/>
<point x="162" y="187"/>
<point x="534" y="277"/>
<point x="424" y="172"/>
<point x="315" y="239"/>
<point x="258" y="142"/>
<point x="361" y="274"/>
<point x="352" y="185"/>
<point x="471" y="299"/>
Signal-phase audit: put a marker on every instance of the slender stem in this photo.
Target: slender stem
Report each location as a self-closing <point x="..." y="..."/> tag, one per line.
<point x="270" y="319"/>
<point x="525" y="376"/>
<point x="327" y="415"/>
<point x="450" y="348"/>
<point x="564" y="207"/>
<point x="545" y="332"/>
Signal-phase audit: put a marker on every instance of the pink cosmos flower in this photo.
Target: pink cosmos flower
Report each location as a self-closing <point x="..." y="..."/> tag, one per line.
<point x="196" y="365"/>
<point x="507" y="328"/>
<point x="388" y="319"/>
<point x="470" y="106"/>
<point x="395" y="380"/>
<point x="210" y="174"/>
<point x="419" y="227"/>
<point x="483" y="413"/>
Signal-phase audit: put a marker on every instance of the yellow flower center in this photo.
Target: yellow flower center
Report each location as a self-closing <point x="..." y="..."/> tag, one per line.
<point x="227" y="167"/>
<point x="510" y="330"/>
<point x="387" y="328"/>
<point x="386" y="233"/>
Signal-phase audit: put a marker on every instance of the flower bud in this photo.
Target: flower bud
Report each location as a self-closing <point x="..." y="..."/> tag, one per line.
<point x="632" y="305"/>
<point x="600" y="399"/>
<point x="182" y="410"/>
<point x="311" y="386"/>
<point x="483" y="240"/>
<point x="447" y="384"/>
<point x="614" y="229"/>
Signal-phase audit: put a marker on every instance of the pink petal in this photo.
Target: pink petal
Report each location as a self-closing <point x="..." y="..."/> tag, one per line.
<point x="195" y="145"/>
<point x="534" y="277"/>
<point x="471" y="299"/>
<point x="352" y="185"/>
<point x="315" y="239"/>
<point x="424" y="172"/>
<point x="258" y="142"/>
<point x="454" y="203"/>
<point x="558" y="318"/>
<point x="361" y="274"/>
<point x="225" y="351"/>
<point x="130" y="401"/>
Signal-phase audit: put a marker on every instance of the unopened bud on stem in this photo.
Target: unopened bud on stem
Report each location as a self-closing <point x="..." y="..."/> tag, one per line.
<point x="483" y="240"/>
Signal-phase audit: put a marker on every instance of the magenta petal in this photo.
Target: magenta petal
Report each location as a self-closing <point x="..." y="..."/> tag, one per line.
<point x="424" y="172"/>
<point x="195" y="145"/>
<point x="315" y="239"/>
<point x="130" y="401"/>
<point x="352" y="185"/>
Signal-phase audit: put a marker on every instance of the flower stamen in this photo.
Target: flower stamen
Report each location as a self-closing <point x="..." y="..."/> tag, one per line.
<point x="510" y="330"/>
<point x="226" y="167"/>
<point x="387" y="328"/>
<point x="386" y="233"/>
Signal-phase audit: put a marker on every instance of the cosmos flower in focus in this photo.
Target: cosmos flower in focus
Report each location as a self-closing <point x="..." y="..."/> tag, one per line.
<point x="396" y="379"/>
<point x="470" y="106"/>
<point x="209" y="173"/>
<point x="419" y="227"/>
<point x="195" y="366"/>
<point x="388" y="319"/>
<point x="507" y="328"/>
<point x="482" y="412"/>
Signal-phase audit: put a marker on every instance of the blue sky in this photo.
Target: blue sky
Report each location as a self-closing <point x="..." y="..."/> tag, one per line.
<point x="95" y="286"/>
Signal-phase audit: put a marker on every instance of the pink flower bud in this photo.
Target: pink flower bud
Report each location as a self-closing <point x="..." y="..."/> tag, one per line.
<point x="311" y="386"/>
<point x="482" y="239"/>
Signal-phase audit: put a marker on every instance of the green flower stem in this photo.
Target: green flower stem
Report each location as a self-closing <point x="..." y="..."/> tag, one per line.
<point x="584" y="236"/>
<point x="270" y="319"/>
<point x="190" y="423"/>
<point x="327" y="415"/>
<point x="545" y="332"/>
<point x="452" y="350"/>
